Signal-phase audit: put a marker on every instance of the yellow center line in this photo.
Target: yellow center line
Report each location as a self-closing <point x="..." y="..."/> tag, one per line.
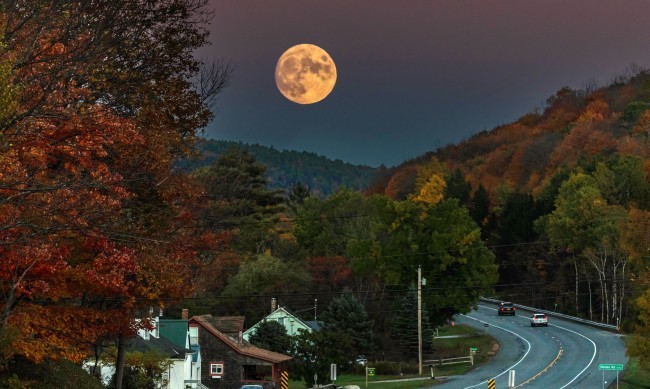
<point x="545" y="369"/>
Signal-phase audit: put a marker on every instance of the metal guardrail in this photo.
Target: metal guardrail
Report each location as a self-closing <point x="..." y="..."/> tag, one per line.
<point x="555" y="314"/>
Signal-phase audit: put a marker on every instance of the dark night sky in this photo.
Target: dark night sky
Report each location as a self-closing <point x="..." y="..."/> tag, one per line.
<point x="414" y="75"/>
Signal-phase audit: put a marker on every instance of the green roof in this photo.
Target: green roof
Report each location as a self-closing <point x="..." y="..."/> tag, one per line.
<point x="175" y="330"/>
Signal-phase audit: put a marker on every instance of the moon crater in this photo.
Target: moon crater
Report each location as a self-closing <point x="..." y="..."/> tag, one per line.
<point x="305" y="74"/>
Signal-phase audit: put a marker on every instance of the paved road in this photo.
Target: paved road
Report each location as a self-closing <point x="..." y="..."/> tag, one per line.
<point x="562" y="355"/>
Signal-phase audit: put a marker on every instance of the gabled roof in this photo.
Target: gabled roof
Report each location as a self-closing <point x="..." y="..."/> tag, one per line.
<point x="160" y="345"/>
<point x="244" y="348"/>
<point x="229" y="324"/>
<point x="175" y="330"/>
<point x="292" y="315"/>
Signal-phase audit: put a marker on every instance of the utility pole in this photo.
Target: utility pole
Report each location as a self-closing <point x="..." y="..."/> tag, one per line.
<point x="420" y="319"/>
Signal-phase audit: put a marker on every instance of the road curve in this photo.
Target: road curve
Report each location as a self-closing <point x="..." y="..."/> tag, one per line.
<point x="563" y="355"/>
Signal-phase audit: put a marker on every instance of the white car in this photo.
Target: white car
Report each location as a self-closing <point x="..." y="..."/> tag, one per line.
<point x="538" y="319"/>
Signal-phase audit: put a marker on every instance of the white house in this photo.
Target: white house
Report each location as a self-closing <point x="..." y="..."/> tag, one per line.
<point x="172" y="339"/>
<point x="291" y="322"/>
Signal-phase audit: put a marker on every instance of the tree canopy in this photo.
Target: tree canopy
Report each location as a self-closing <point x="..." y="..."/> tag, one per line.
<point x="93" y="214"/>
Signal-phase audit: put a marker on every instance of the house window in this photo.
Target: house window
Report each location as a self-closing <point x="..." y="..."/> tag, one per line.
<point x="281" y="320"/>
<point x="216" y="369"/>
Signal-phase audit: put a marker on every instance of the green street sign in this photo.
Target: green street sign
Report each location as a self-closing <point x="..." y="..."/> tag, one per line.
<point x="371" y="371"/>
<point x="610" y="366"/>
<point x="473" y="349"/>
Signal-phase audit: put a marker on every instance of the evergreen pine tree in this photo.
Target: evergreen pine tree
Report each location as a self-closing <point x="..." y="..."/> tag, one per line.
<point x="480" y="205"/>
<point x="457" y="187"/>
<point x="241" y="199"/>
<point x="347" y="315"/>
<point x="271" y="335"/>
<point x="297" y="196"/>
<point x="404" y="327"/>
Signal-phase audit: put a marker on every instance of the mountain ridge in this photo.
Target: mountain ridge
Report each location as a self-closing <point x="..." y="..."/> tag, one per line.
<point x="286" y="168"/>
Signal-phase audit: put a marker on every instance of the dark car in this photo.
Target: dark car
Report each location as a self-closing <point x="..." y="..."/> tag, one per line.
<point x="506" y="309"/>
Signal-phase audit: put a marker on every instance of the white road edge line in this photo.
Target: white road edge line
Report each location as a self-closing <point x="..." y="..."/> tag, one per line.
<point x="592" y="357"/>
<point x="510" y="368"/>
<point x="566" y="329"/>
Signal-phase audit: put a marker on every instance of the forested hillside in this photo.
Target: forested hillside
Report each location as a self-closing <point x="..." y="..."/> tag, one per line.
<point x="562" y="196"/>
<point x="575" y="127"/>
<point x="285" y="169"/>
<point x="98" y="226"/>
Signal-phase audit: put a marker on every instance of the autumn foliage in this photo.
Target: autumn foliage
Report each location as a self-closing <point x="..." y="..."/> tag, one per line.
<point x="574" y="126"/>
<point x="94" y="220"/>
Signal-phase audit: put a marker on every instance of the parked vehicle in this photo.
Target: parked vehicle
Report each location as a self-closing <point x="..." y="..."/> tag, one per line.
<point x="506" y="308"/>
<point x="252" y="387"/>
<point x="361" y="360"/>
<point x="538" y="319"/>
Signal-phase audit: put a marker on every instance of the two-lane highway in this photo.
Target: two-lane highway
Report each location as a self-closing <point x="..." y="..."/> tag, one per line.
<point x="563" y="355"/>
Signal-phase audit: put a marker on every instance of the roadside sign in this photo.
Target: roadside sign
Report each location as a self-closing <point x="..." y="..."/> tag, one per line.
<point x="610" y="366"/>
<point x="370" y="372"/>
<point x="492" y="384"/>
<point x="333" y="372"/>
<point x="284" y="380"/>
<point x="473" y="349"/>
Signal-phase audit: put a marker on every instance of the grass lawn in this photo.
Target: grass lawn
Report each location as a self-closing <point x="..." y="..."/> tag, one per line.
<point x="373" y="382"/>
<point x="443" y="348"/>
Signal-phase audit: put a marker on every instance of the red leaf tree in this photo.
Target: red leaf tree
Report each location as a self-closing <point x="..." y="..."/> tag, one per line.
<point x="95" y="222"/>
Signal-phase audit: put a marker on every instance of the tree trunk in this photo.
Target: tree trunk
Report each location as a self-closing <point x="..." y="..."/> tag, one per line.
<point x="615" y="297"/>
<point x="591" y="308"/>
<point x="599" y="261"/>
<point x="119" y="363"/>
<point x="602" y="299"/>
<point x="622" y="297"/>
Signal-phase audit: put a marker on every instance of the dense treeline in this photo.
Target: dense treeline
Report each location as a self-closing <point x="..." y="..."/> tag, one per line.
<point x="307" y="248"/>
<point x="286" y="169"/>
<point x="98" y="225"/>
<point x="563" y="198"/>
<point x="97" y="101"/>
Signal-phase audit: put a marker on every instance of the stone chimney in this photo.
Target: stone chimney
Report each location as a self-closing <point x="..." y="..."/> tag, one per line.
<point x="184" y="314"/>
<point x="273" y="304"/>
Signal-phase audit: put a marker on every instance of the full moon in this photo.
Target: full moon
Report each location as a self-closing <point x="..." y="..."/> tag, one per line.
<point x="305" y="74"/>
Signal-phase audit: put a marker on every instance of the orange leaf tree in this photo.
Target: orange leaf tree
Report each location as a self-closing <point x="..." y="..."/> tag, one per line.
<point x="95" y="221"/>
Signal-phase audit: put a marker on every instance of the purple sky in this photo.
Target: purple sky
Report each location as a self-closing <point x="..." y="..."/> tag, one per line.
<point x="414" y="75"/>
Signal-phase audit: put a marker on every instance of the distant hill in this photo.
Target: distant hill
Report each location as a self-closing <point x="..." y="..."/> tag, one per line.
<point x="575" y="127"/>
<point x="285" y="168"/>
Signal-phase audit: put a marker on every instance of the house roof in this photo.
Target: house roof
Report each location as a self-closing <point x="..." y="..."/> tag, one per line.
<point x="228" y="324"/>
<point x="161" y="345"/>
<point x="175" y="330"/>
<point x="314" y="325"/>
<point x="294" y="316"/>
<point x="243" y="348"/>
